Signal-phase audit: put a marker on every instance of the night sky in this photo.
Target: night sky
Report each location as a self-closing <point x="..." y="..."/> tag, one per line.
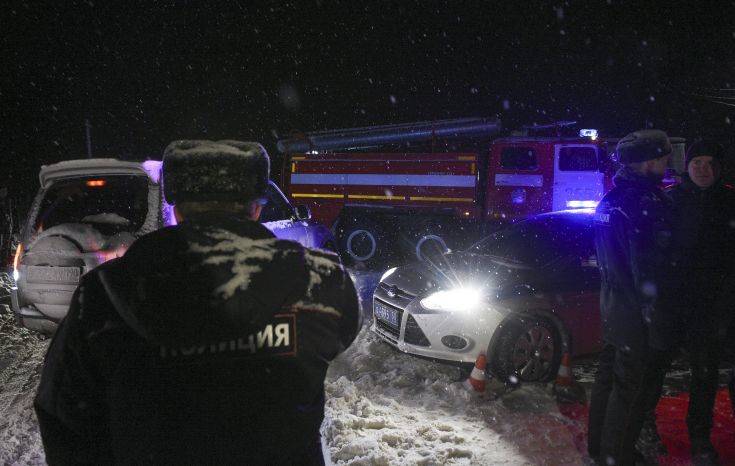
<point x="147" y="75"/>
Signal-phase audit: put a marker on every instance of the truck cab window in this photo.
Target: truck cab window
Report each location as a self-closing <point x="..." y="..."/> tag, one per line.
<point x="578" y="159"/>
<point x="518" y="158"/>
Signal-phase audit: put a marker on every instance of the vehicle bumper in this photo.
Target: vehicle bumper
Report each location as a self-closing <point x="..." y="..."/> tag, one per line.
<point x="30" y="317"/>
<point x="420" y="332"/>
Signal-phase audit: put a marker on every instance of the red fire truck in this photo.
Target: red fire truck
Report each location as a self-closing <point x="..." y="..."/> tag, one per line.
<point x="399" y="190"/>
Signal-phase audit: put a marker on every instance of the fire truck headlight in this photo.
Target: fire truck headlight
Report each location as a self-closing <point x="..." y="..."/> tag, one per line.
<point x="456" y="300"/>
<point x="582" y="204"/>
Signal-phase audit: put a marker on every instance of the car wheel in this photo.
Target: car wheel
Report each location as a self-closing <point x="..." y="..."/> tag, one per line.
<point x="528" y="350"/>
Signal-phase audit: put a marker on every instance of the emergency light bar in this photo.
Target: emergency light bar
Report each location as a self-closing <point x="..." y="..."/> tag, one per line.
<point x="588" y="133"/>
<point x="581" y="204"/>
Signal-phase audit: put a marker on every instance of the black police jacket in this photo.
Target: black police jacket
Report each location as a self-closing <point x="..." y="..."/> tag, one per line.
<point x="633" y="242"/>
<point x="704" y="233"/>
<point x="206" y="343"/>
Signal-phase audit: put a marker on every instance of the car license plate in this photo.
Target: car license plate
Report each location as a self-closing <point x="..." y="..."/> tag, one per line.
<point x="386" y="314"/>
<point x="66" y="275"/>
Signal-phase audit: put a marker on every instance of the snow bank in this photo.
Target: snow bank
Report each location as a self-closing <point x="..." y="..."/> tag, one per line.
<point x="385" y="407"/>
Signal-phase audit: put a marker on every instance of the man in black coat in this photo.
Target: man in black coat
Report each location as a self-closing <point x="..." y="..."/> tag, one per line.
<point x="633" y="241"/>
<point x="207" y="342"/>
<point x="704" y="209"/>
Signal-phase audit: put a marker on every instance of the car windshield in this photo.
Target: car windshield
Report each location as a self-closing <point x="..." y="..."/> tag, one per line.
<point x="276" y="208"/>
<point x="536" y="242"/>
<point x="110" y="203"/>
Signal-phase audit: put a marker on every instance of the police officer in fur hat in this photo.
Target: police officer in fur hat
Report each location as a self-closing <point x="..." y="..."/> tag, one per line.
<point x="704" y="209"/>
<point x="207" y="342"/>
<point x="633" y="242"/>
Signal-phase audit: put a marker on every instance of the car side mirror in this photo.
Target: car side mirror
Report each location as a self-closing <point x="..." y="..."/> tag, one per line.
<point x="303" y="212"/>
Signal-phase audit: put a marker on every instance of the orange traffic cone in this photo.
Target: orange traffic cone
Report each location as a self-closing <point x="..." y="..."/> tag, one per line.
<point x="566" y="388"/>
<point x="476" y="381"/>
<point x="564" y="376"/>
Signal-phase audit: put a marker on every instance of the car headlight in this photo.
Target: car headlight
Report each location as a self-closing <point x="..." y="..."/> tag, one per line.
<point x="458" y="299"/>
<point x="388" y="273"/>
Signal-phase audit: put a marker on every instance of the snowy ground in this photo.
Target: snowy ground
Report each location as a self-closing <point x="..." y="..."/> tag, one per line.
<point x="383" y="407"/>
<point x="21" y="355"/>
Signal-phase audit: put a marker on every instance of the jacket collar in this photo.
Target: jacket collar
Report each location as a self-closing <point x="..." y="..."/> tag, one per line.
<point x="688" y="185"/>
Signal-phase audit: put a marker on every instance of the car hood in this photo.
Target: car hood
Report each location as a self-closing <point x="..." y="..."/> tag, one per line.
<point x="461" y="270"/>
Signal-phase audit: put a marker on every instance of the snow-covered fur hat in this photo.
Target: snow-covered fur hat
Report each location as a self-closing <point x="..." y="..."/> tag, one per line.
<point x="642" y="145"/>
<point x="199" y="170"/>
<point x="701" y="148"/>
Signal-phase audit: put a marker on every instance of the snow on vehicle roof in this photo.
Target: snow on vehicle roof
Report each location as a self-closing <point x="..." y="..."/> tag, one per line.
<point x="88" y="167"/>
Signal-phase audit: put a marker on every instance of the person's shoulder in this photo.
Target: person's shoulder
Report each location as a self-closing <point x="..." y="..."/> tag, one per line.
<point x="327" y="280"/>
<point x="323" y="262"/>
<point x="728" y="189"/>
<point x="162" y="236"/>
<point x="727" y="196"/>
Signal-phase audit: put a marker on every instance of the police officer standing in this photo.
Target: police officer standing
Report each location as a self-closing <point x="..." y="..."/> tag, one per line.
<point x="703" y="227"/>
<point x="207" y="342"/>
<point x="633" y="240"/>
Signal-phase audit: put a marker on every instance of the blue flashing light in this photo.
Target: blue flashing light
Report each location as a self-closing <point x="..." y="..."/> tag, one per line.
<point x="588" y="133"/>
<point x="582" y="204"/>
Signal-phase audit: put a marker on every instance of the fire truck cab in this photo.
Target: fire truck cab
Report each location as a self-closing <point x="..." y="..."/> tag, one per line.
<point x="400" y="191"/>
<point x="531" y="175"/>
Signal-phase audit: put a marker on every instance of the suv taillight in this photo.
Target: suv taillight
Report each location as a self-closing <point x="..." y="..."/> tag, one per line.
<point x="16" y="261"/>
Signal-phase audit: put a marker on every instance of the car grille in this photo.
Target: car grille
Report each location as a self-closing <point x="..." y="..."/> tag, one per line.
<point x="413" y="334"/>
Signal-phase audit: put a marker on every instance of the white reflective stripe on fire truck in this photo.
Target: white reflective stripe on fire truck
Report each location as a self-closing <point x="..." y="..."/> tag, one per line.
<point x="461" y="181"/>
<point x="533" y="181"/>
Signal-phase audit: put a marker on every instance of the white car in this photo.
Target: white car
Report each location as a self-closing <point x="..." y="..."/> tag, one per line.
<point x="523" y="296"/>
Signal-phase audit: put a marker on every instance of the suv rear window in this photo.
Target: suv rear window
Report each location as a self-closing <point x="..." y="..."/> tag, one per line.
<point x="518" y="158"/>
<point x="110" y="203"/>
<point x="577" y="159"/>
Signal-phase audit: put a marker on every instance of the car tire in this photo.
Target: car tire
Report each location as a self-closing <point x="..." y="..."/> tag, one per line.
<point x="363" y="241"/>
<point x="528" y="349"/>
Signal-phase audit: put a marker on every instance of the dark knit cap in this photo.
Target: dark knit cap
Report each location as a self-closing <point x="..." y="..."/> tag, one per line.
<point x="701" y="148"/>
<point x="642" y="145"/>
<point x="199" y="170"/>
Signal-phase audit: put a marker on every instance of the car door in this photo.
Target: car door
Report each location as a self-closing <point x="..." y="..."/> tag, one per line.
<point x="280" y="218"/>
<point x="577" y="292"/>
